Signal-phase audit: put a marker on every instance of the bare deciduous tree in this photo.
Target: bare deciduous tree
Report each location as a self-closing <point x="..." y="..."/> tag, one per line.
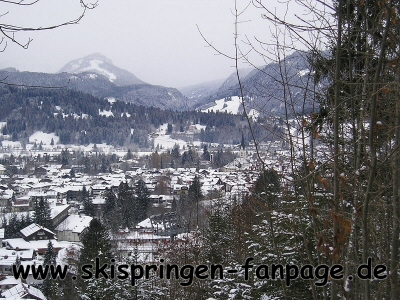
<point x="9" y="30"/>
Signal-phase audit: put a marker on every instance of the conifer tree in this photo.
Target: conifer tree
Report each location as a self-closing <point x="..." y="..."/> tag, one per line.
<point x="112" y="212"/>
<point x="206" y="154"/>
<point x="42" y="215"/>
<point x="195" y="195"/>
<point x="17" y="261"/>
<point x="96" y="245"/>
<point x="50" y="286"/>
<point x="72" y="173"/>
<point x="141" y="201"/>
<point x="129" y="154"/>
<point x="111" y="200"/>
<point x="126" y="203"/>
<point x="88" y="206"/>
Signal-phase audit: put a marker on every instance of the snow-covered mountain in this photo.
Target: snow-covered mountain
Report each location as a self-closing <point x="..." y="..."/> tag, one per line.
<point x="264" y="91"/>
<point x="99" y="64"/>
<point x="231" y="105"/>
<point x="96" y="75"/>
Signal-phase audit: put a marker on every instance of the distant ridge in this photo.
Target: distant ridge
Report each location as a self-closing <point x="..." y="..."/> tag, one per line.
<point x="100" y="64"/>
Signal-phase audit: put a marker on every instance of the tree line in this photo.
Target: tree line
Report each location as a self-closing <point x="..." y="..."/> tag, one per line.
<point x="75" y="117"/>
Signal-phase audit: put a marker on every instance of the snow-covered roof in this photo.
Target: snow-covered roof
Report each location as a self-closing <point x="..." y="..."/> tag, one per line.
<point x="10" y="280"/>
<point x="56" y="210"/>
<point x="31" y="229"/>
<point x="12" y="254"/>
<point x="74" y="223"/>
<point x="42" y="244"/>
<point x="18" y="243"/>
<point x="98" y="200"/>
<point x="22" y="291"/>
<point x="144" y="224"/>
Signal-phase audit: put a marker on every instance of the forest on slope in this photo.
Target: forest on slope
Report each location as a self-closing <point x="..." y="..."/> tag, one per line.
<point x="80" y="118"/>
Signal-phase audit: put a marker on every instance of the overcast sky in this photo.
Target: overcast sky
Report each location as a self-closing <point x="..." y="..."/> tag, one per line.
<point x="157" y="40"/>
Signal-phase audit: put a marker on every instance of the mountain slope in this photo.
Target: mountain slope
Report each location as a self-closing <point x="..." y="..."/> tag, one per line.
<point x="79" y="118"/>
<point x="100" y="86"/>
<point x="265" y="92"/>
<point x="197" y="93"/>
<point x="99" y="64"/>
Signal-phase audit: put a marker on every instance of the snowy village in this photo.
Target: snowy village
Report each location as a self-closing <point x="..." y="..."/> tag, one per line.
<point x="256" y="154"/>
<point x="48" y="197"/>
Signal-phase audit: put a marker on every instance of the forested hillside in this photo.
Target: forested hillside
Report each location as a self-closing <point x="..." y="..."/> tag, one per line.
<point x="79" y="118"/>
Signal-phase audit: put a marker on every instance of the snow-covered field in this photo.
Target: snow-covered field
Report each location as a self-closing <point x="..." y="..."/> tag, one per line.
<point x="164" y="141"/>
<point x="45" y="138"/>
<point x="231" y="106"/>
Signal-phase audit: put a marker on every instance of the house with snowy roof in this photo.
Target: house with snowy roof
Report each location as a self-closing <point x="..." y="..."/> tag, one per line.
<point x="59" y="213"/>
<point x="21" y="204"/>
<point x="8" y="257"/>
<point x="36" y="232"/>
<point x="99" y="204"/>
<point x="2" y="169"/>
<point x="238" y="164"/>
<point x="23" y="291"/>
<point x="72" y="227"/>
<point x="7" y="282"/>
<point x="38" y="237"/>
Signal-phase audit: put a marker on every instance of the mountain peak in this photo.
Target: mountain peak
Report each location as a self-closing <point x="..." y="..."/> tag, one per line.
<point x="98" y="56"/>
<point x="100" y="64"/>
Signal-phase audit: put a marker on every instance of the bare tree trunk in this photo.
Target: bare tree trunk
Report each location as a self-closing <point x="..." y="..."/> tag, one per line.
<point x="373" y="150"/>
<point x="394" y="256"/>
<point x="336" y="198"/>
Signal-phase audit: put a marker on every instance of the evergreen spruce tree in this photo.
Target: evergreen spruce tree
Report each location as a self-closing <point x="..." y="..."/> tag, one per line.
<point x="96" y="246"/>
<point x="126" y="203"/>
<point x="50" y="286"/>
<point x="64" y="157"/>
<point x="17" y="261"/>
<point x="267" y="186"/>
<point x="142" y="201"/>
<point x="11" y="230"/>
<point x="129" y="154"/>
<point x="174" y="205"/>
<point x="195" y="195"/>
<point x="111" y="200"/>
<point x="96" y="243"/>
<point x="72" y="173"/>
<point x="88" y="206"/>
<point x="43" y="213"/>
<point x="206" y="154"/>
<point x="112" y="212"/>
<point x="218" y="238"/>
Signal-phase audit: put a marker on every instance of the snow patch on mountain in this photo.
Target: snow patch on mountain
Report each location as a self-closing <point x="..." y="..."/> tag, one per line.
<point x="303" y="72"/>
<point x="45" y="138"/>
<point x="106" y="113"/>
<point x="95" y="65"/>
<point x="229" y="105"/>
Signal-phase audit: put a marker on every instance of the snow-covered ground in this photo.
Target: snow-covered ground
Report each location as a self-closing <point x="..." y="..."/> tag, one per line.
<point x="45" y="138"/>
<point x="95" y="64"/>
<point x="106" y="113"/>
<point x="231" y="106"/>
